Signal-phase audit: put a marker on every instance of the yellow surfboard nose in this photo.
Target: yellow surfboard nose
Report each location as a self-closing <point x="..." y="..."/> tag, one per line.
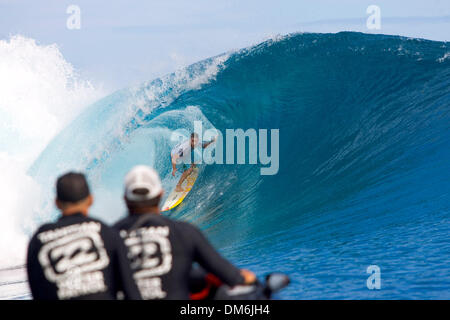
<point x="175" y="197"/>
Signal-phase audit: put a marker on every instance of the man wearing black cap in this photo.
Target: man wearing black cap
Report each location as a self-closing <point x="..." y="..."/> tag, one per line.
<point x="161" y="250"/>
<point x="78" y="257"/>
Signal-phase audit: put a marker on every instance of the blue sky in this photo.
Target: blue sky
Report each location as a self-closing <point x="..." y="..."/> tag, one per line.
<point x="124" y="42"/>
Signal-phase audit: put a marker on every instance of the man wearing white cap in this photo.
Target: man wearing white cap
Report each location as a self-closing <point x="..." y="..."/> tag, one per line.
<point x="161" y="250"/>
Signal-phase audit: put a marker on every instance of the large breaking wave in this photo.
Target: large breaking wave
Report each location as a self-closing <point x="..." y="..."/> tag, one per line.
<point x="364" y="159"/>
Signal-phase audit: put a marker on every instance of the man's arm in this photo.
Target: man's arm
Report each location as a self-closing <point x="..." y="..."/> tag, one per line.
<point x="212" y="261"/>
<point x="206" y="144"/>
<point x="34" y="271"/>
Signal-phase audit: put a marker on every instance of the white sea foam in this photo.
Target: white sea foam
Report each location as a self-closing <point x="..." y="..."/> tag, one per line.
<point x="40" y="93"/>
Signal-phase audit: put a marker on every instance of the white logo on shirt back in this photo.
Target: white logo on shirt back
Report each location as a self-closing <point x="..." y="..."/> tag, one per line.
<point x="150" y="252"/>
<point x="73" y="258"/>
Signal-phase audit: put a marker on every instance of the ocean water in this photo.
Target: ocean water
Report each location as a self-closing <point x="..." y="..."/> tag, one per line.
<point x="364" y="160"/>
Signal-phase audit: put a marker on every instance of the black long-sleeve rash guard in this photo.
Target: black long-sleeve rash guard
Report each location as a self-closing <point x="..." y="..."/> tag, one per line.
<point x="79" y="258"/>
<point x="162" y="252"/>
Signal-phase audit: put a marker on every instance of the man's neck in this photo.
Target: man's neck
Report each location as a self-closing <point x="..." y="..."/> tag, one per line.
<point x="67" y="213"/>
<point x="154" y="210"/>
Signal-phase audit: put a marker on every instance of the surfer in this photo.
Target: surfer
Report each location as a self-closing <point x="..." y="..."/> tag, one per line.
<point x="78" y="257"/>
<point x="162" y="250"/>
<point x="181" y="155"/>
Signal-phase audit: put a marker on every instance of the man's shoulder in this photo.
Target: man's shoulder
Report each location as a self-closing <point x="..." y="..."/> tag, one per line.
<point x="70" y="227"/>
<point x="103" y="225"/>
<point x="43" y="228"/>
<point x="46" y="226"/>
<point x="171" y="223"/>
<point x="184" y="226"/>
<point x="147" y="220"/>
<point x="154" y="220"/>
<point x="123" y="223"/>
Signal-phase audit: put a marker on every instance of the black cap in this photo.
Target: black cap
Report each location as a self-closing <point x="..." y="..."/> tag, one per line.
<point x="72" y="187"/>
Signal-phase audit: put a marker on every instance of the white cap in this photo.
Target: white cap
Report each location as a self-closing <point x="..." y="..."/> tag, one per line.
<point x="142" y="177"/>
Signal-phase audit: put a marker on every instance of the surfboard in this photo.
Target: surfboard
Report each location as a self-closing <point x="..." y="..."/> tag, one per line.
<point x="175" y="198"/>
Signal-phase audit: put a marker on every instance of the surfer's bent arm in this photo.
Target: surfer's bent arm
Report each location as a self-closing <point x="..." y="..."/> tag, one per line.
<point x="206" y="144"/>
<point x="212" y="261"/>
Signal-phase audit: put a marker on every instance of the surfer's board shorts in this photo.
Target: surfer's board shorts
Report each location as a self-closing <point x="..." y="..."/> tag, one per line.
<point x="182" y="167"/>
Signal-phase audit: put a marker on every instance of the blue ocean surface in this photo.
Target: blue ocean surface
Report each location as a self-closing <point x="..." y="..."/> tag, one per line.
<point x="364" y="173"/>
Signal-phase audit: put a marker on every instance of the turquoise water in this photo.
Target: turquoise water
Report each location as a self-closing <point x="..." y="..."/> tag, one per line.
<point x="364" y="160"/>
